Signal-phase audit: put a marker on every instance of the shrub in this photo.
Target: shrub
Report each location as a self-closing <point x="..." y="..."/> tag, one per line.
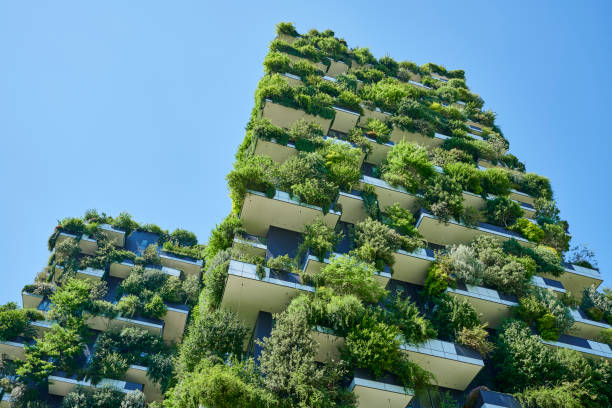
<point x="151" y="255"/>
<point x="443" y="197"/>
<point x="276" y="62"/>
<point x="129" y="306"/>
<point x="282" y="263"/>
<point x="405" y="315"/>
<point x="215" y="277"/>
<point x="337" y="312"/>
<point x="503" y="212"/>
<point x="407" y="165"/>
<point x="476" y="338"/>
<point x="320" y="238"/>
<point x="15" y="322"/>
<point x="468" y="176"/>
<point x="556" y="237"/>
<point x="342" y="164"/>
<point x="155" y="307"/>
<point x="565" y="395"/>
<point x="471" y="217"/>
<point x="219" y="333"/>
<point x="528" y="230"/>
<point x="451" y="315"/>
<point x="378" y="130"/>
<point x="496" y="181"/>
<point x="465" y="266"/>
<point x="372" y="345"/>
<point x="606" y="336"/>
<point x="534" y="185"/>
<point x="348" y="275"/>
<point x="184" y="238"/>
<point x="596" y="304"/>
<point x="375" y="243"/>
<point x="124" y="222"/>
<point x="252" y="173"/>
<point x="286" y="28"/>
<point x="222" y="236"/>
<point x="438" y="277"/>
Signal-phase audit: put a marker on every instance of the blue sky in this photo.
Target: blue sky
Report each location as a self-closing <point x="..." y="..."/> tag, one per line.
<point x="139" y="106"/>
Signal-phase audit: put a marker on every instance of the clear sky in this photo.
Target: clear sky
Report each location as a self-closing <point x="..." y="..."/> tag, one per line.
<point x="139" y="106"/>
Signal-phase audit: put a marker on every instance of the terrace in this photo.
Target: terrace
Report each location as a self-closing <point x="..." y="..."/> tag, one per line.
<point x="398" y="135"/>
<point x="453" y="232"/>
<point x="260" y="212"/>
<point x="453" y="365"/>
<point x="585" y="327"/>
<point x="285" y="116"/>
<point x="88" y="245"/>
<point x="588" y="348"/>
<point x="494" y="306"/>
<point x="576" y="278"/>
<point x="247" y="294"/>
<point x="372" y="393"/>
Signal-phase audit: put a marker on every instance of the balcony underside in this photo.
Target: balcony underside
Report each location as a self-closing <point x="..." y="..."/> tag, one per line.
<point x="411" y="267"/>
<point x="353" y="210"/>
<point x="246" y="294"/>
<point x="277" y="152"/>
<point x="285" y="117"/>
<point x="378" y="394"/>
<point x="260" y="212"/>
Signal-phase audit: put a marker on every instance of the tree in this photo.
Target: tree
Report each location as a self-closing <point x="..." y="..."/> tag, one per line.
<point x="217" y="333"/>
<point x="502" y="211"/>
<point x="407" y="165"/>
<point x="348" y="275"/>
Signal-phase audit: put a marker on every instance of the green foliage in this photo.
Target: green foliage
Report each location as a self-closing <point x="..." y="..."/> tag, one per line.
<point x="547" y="260"/>
<point x="286" y="28"/>
<point x="606" y="337"/>
<point x="15" y="322"/>
<point x="528" y="230"/>
<point x="556" y="237"/>
<point x="378" y="130"/>
<point x="534" y="185"/>
<point x="151" y="255"/>
<point x="320" y="238"/>
<point x="215" y="277"/>
<point x="372" y="345"/>
<point x="129" y="306"/>
<point x="443" y="197"/>
<point x="476" y="338"/>
<point x="343" y="165"/>
<point x="222" y="236"/>
<point x="124" y="222"/>
<point x="405" y="315"/>
<point x="438" y="278"/>
<point x="407" y="165"/>
<point x="468" y="176"/>
<point x="375" y="243"/>
<point x="465" y="266"/>
<point x="184" y="238"/>
<point x="104" y="397"/>
<point x="402" y="221"/>
<point x="337" y="312"/>
<point x="503" y="212"/>
<point x="253" y="173"/>
<point x="70" y="300"/>
<point x="218" y="333"/>
<point x="155" y="307"/>
<point x="452" y="315"/>
<point x="596" y="304"/>
<point x="289" y="369"/>
<point x="496" y="181"/>
<point x="566" y="395"/>
<point x="281" y="263"/>
<point x="221" y="386"/>
<point x="349" y="275"/>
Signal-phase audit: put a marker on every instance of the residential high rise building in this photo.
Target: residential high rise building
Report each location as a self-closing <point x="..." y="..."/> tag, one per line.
<point x="383" y="250"/>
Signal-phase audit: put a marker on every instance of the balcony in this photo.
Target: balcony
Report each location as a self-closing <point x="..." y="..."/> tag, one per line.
<point x="588" y="348"/>
<point x="418" y="84"/>
<point x="13" y="350"/>
<point x="284" y="116"/>
<point x="313" y="265"/>
<point x="247" y="294"/>
<point x="88" y="245"/>
<point x="398" y="135"/>
<point x="440" y="78"/>
<point x="344" y="120"/>
<point x="30" y="300"/>
<point x="42" y="326"/>
<point x="189" y="266"/>
<point x="175" y="321"/>
<point x="374" y="393"/>
<point x="251" y="244"/>
<point x="474" y="127"/>
<point x="138" y="375"/>
<point x="259" y="212"/>
<point x="585" y="327"/>
<point x="329" y="344"/>
<point x="492" y="399"/>
<point x="375" y="113"/>
<point x="274" y="150"/>
<point x="62" y="385"/>
<point x="294" y="81"/>
<point x="453" y="365"/>
<point x="353" y="210"/>
<point x="116" y="236"/>
<point x="411" y="267"/>
<point x="550" y="284"/>
<point x="336" y="68"/>
<point x="103" y="323"/>
<point x="522" y="197"/>
<point x="389" y="195"/>
<point x="90" y="274"/>
<point x="494" y="306"/>
<point x="378" y="151"/>
<point x="318" y="65"/>
<point x="454" y="232"/>
<point x="576" y="278"/>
